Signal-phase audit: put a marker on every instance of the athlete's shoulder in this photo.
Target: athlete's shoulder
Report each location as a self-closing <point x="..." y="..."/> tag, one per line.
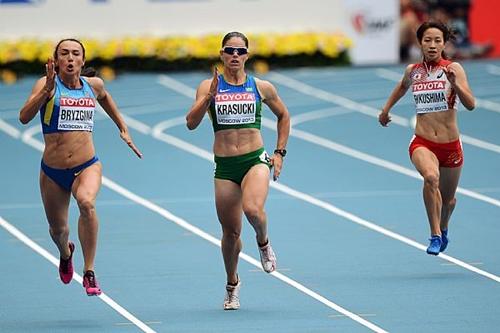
<point x="94" y="81"/>
<point x="445" y="62"/>
<point x="454" y="64"/>
<point x="262" y="84"/>
<point x="414" y="66"/>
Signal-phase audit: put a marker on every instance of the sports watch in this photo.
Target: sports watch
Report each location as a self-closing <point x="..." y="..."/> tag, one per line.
<point x="282" y="152"/>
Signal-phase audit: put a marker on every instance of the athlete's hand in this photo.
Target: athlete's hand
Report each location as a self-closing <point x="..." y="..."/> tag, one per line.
<point x="215" y="82"/>
<point x="450" y="74"/>
<point x="125" y="135"/>
<point x="50" y="75"/>
<point x="384" y="119"/>
<point x="277" y="163"/>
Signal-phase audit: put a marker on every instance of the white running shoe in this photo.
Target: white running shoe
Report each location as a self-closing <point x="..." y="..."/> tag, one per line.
<point x="267" y="257"/>
<point x="232" y="298"/>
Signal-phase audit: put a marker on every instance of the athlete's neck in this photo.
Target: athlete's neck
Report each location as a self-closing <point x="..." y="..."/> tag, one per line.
<point x="70" y="81"/>
<point x="235" y="78"/>
<point x="433" y="62"/>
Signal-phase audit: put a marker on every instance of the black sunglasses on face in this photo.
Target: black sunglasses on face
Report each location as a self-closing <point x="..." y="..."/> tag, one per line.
<point x="230" y="50"/>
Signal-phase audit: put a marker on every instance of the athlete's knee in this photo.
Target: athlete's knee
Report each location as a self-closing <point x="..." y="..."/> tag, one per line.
<point x="431" y="179"/>
<point x="449" y="203"/>
<point x="231" y="234"/>
<point x="253" y="212"/>
<point x="86" y="206"/>
<point x="58" y="229"/>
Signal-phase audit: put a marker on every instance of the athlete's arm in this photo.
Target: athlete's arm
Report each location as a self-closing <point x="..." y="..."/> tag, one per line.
<point x="204" y="94"/>
<point x="108" y="104"/>
<point x="271" y="98"/>
<point x="42" y="90"/>
<point x="398" y="92"/>
<point x="458" y="79"/>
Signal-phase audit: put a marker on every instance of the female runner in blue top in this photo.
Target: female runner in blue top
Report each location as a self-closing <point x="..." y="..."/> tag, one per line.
<point x="67" y="103"/>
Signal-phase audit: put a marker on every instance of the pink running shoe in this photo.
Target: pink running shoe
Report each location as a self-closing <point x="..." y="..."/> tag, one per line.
<point x="66" y="266"/>
<point x="90" y="284"/>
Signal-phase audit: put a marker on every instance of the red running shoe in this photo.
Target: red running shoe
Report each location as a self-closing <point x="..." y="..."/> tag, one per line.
<point x="90" y="284"/>
<point x="66" y="266"/>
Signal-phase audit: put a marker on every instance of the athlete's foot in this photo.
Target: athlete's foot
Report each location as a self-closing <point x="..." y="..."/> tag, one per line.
<point x="444" y="240"/>
<point x="267" y="257"/>
<point x="435" y="245"/>
<point x="66" y="266"/>
<point x="232" y="298"/>
<point x="90" y="284"/>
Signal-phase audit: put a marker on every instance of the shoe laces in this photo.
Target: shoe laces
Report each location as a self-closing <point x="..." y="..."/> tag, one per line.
<point x="231" y="296"/>
<point x="266" y="252"/>
<point x="65" y="265"/>
<point x="232" y="292"/>
<point x="90" y="278"/>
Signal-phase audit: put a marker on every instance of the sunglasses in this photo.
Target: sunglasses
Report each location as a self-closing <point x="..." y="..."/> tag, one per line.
<point x="230" y="50"/>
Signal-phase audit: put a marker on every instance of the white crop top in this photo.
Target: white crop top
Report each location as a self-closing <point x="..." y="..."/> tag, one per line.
<point x="432" y="92"/>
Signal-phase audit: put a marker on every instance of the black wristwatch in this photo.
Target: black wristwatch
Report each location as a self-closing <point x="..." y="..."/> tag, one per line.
<point x="282" y="152"/>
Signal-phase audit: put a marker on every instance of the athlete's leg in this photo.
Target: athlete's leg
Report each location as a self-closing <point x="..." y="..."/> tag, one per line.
<point x="448" y="183"/>
<point x="228" y="205"/>
<point x="427" y="165"/>
<point x="255" y="187"/>
<point x="85" y="189"/>
<point x="56" y="202"/>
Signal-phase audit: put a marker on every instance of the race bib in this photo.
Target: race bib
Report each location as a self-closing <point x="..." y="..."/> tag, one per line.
<point x="430" y="96"/>
<point x="76" y="114"/>
<point x="235" y="108"/>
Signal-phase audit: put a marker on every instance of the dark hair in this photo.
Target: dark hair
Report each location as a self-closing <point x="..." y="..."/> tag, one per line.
<point x="89" y="72"/>
<point x="232" y="34"/>
<point x="69" y="40"/>
<point x="448" y="33"/>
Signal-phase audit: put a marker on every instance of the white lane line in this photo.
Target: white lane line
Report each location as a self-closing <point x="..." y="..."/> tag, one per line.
<point x="44" y="253"/>
<point x="470" y="263"/>
<point x="199" y="232"/>
<point x="394" y="76"/>
<point x="186" y="146"/>
<point x="128" y="324"/>
<point x="361" y="314"/>
<point x="177" y="86"/>
<point x="9" y="129"/>
<point x="135" y="124"/>
<point x="488" y="105"/>
<point x="318" y="114"/>
<point x="493" y="70"/>
<point x="388" y="74"/>
<point x="480" y="143"/>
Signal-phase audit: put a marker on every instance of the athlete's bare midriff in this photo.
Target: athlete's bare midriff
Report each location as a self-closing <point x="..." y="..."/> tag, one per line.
<point x="440" y="127"/>
<point x="234" y="142"/>
<point x="68" y="149"/>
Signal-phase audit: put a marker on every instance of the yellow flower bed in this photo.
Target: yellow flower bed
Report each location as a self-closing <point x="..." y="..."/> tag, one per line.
<point x="181" y="47"/>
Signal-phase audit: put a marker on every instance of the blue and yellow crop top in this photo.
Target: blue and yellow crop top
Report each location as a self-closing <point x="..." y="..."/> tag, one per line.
<point x="69" y="109"/>
<point x="236" y="106"/>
